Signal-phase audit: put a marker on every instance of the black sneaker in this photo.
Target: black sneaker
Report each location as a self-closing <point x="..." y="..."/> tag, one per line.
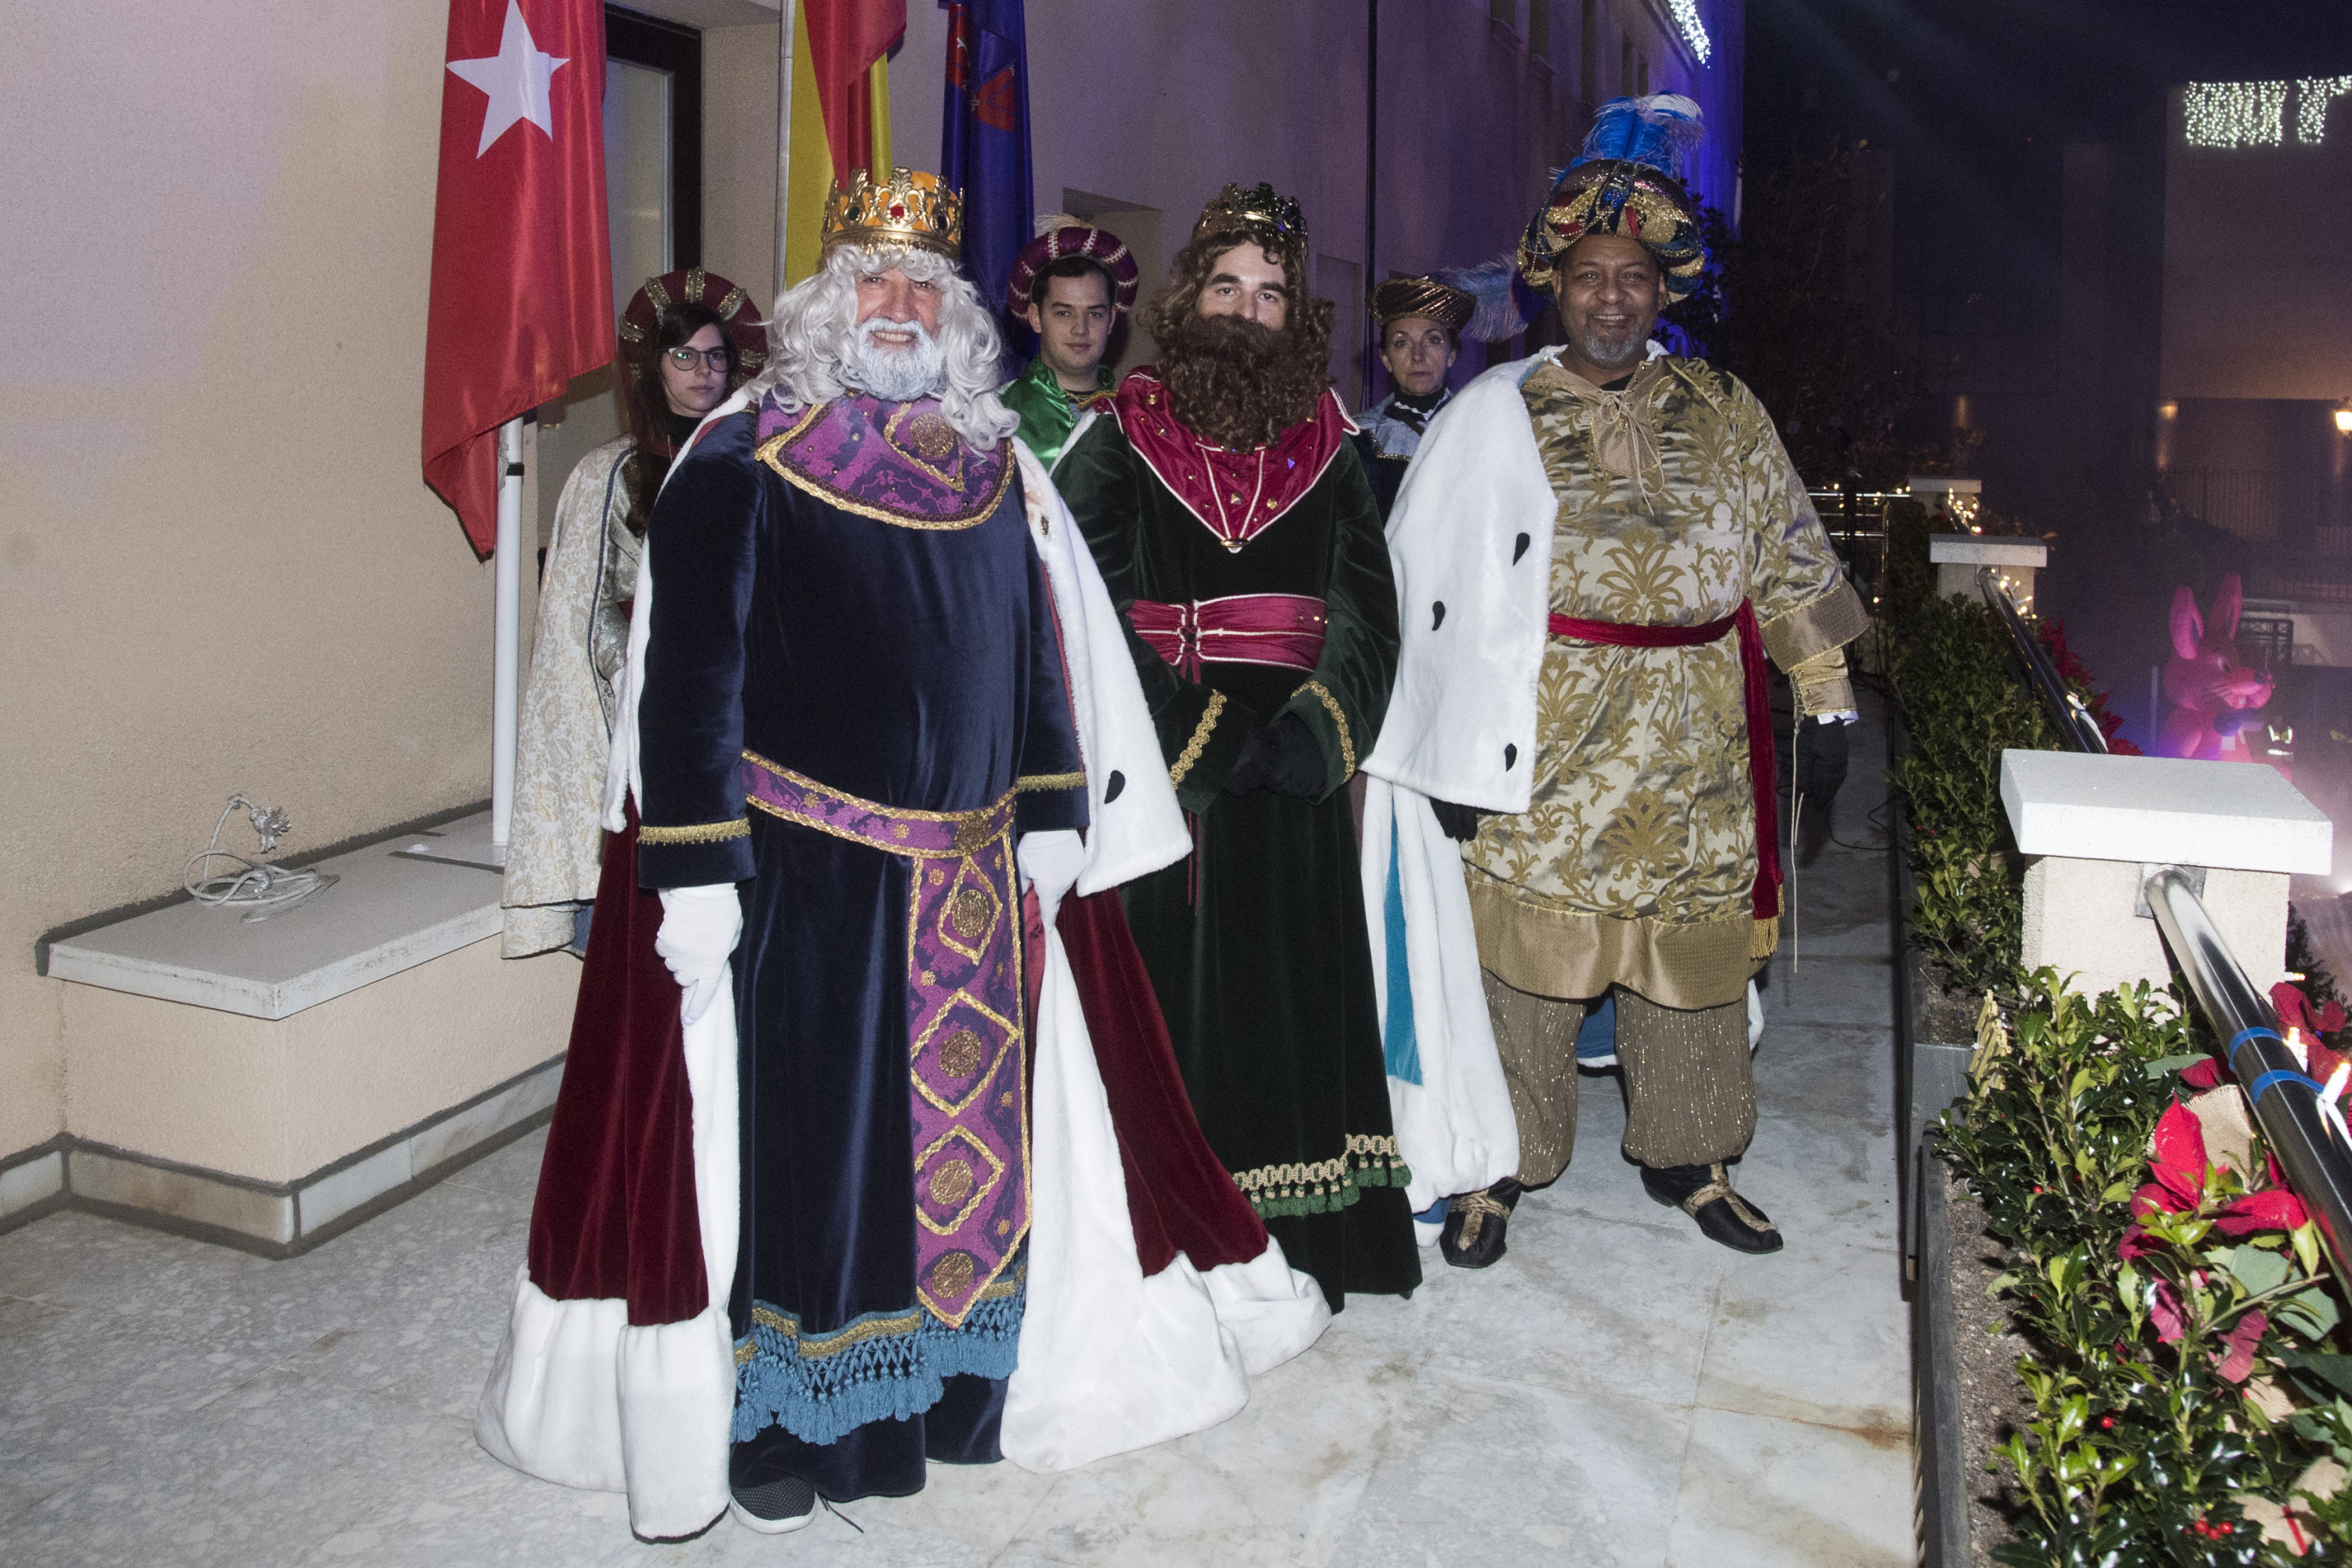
<point x="1474" y="1223"/>
<point x="777" y="1507"/>
<point x="1704" y="1192"/>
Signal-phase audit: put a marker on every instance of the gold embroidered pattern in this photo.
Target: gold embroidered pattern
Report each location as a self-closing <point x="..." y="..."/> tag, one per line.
<point x="1339" y="718"/>
<point x="1050" y="780"/>
<point x="770" y="452"/>
<point x="695" y="832"/>
<point x="1200" y="741"/>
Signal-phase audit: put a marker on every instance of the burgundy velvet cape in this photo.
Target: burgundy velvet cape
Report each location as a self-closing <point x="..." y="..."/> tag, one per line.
<point x="616" y="1216"/>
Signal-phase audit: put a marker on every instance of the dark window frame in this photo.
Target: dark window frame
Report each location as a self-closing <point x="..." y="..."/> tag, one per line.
<point x="675" y="48"/>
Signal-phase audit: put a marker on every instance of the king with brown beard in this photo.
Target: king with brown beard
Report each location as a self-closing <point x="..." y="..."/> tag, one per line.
<point x="1240" y="539"/>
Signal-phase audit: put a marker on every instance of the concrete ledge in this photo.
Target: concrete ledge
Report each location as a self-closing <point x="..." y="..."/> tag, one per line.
<point x="392" y="908"/>
<point x="275" y="1219"/>
<point x="2162" y="811"/>
<point x="1976" y="549"/>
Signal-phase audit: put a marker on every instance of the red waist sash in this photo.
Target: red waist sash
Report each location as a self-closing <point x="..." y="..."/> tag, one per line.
<point x="1282" y="629"/>
<point x="1765" y="900"/>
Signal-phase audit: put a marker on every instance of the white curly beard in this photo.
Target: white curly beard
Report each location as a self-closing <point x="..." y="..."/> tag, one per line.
<point x="896" y="376"/>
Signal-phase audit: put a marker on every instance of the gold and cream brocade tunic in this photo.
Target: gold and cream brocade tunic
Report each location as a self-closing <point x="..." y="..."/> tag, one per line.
<point x="1634" y="861"/>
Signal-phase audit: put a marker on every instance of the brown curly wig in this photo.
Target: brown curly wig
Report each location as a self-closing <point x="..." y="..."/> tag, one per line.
<point x="1232" y="381"/>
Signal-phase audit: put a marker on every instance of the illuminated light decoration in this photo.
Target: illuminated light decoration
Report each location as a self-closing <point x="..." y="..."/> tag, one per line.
<point x="1694" y="30"/>
<point x="2236" y="113"/>
<point x="2313" y="94"/>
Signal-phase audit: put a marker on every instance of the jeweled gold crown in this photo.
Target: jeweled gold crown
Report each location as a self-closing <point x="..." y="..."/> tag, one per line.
<point x="913" y="209"/>
<point x="1273" y="221"/>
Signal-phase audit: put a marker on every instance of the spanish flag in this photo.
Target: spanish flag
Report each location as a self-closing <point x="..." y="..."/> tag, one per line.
<point x="841" y="105"/>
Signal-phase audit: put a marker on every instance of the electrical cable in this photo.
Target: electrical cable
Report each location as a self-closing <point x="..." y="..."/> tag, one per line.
<point x="260" y="890"/>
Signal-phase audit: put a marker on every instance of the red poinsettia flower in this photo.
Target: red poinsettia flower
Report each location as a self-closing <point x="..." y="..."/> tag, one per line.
<point x="2236" y="1359"/>
<point x="2178" y="1167"/>
<point x="2164" y="1311"/>
<point x="2206" y="1074"/>
<point x="2295" y="1012"/>
<point x="2273" y="1209"/>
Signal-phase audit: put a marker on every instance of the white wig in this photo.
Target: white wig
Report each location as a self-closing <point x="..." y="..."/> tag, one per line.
<point x="811" y="333"/>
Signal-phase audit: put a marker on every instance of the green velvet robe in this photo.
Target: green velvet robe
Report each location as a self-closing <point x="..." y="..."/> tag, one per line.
<point x="1256" y="944"/>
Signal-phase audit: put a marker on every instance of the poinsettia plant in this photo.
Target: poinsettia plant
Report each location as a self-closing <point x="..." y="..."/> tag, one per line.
<point x="2170" y="1285"/>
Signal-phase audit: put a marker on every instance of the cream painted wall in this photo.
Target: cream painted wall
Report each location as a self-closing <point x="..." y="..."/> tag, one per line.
<point x="219" y="568"/>
<point x="738" y="156"/>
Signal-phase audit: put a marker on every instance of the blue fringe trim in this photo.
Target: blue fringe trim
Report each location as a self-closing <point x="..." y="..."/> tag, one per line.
<point x="889" y="1369"/>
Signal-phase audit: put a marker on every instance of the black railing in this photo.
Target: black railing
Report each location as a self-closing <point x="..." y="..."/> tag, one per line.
<point x="2075" y="723"/>
<point x="2285" y="1100"/>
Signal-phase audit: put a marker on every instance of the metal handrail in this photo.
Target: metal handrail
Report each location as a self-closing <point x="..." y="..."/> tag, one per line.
<point x="2074" y="721"/>
<point x="2285" y="1100"/>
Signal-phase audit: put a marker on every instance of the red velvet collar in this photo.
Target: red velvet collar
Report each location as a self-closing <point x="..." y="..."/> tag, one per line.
<point x="1235" y="495"/>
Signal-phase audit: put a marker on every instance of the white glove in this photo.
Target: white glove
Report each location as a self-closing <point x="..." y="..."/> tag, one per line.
<point x="699" y="929"/>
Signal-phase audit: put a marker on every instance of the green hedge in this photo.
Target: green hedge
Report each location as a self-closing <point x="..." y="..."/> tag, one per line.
<point x="2182" y="1368"/>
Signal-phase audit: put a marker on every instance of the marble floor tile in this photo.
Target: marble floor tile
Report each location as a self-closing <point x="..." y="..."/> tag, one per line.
<point x="255" y="1476"/>
<point x="1760" y="1493"/>
<point x="1813" y="1333"/>
<point x="1500" y="1475"/>
<point x="1278" y="1484"/>
<point x="1830" y="988"/>
<point x="513" y="1169"/>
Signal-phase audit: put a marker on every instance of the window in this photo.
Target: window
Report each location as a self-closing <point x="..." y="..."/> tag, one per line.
<point x="653" y="147"/>
<point x="1624" y="65"/>
<point x="1507" y="12"/>
<point x="1539" y="27"/>
<point x="1642" y="76"/>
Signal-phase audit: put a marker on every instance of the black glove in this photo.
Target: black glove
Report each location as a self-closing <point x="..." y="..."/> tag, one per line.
<point x="1299" y="767"/>
<point x="1250" y="768"/>
<point x="1282" y="757"/>
<point x="1459" y="822"/>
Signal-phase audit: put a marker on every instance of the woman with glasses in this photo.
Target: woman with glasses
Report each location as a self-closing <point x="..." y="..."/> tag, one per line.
<point x="686" y="340"/>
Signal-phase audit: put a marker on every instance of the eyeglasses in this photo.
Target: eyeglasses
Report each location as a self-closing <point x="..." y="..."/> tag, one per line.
<point x="687" y="359"/>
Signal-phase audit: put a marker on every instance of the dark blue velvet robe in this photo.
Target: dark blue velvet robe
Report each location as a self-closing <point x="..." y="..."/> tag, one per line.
<point x="918" y="668"/>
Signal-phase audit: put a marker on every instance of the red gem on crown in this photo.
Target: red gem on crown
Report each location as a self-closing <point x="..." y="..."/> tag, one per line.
<point x="897" y="209"/>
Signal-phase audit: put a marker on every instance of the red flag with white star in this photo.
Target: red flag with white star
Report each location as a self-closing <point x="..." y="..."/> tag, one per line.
<point x="523" y="274"/>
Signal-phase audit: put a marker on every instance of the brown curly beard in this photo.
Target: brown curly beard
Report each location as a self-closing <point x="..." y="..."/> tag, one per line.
<point x="1239" y="384"/>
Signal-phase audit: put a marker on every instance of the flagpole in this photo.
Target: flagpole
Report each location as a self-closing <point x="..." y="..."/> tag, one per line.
<point x="783" y="147"/>
<point x="506" y="634"/>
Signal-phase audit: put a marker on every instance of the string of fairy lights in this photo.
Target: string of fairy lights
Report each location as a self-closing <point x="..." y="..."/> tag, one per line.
<point x="2253" y="113"/>
<point x="1694" y="30"/>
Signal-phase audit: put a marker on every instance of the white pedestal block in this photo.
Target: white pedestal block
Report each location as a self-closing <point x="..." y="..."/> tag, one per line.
<point x="270" y="1083"/>
<point x="1957" y="556"/>
<point x="2079" y="922"/>
<point x="2094" y="826"/>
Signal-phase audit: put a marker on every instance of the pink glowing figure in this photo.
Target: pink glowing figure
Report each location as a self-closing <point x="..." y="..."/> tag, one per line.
<point x="2215" y="694"/>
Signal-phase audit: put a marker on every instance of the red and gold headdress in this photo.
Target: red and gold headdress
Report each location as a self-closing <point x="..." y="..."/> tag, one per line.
<point x="1059" y="235"/>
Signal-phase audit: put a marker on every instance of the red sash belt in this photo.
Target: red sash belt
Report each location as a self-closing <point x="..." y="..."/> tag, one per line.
<point x="1282" y="629"/>
<point x="1765" y="900"/>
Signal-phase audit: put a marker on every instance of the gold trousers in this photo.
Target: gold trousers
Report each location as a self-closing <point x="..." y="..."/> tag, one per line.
<point x="1689" y="1086"/>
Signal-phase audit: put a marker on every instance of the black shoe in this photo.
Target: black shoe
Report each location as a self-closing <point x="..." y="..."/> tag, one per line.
<point x="777" y="1507"/>
<point x="1704" y="1192"/>
<point x="1474" y="1223"/>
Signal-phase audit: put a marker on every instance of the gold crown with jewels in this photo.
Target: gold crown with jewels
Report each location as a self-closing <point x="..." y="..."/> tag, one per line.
<point x="912" y="208"/>
<point x="1275" y="222"/>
